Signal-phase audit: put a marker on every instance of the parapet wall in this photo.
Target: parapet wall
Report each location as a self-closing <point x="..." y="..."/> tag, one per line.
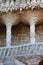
<point x="6" y="5"/>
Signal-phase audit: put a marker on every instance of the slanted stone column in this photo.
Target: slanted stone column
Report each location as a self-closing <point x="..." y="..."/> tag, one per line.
<point x="32" y="32"/>
<point x="8" y="35"/>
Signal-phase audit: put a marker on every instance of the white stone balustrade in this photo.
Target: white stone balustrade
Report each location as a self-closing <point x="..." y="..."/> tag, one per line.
<point x="21" y="50"/>
<point x="22" y="4"/>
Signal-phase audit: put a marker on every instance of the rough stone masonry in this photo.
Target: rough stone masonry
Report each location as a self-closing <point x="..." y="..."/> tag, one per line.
<point x="29" y="13"/>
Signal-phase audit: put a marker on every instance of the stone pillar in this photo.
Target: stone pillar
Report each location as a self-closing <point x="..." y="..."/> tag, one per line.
<point x="32" y="33"/>
<point x="8" y="35"/>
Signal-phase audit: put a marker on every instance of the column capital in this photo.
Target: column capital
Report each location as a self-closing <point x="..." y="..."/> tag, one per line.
<point x="32" y="20"/>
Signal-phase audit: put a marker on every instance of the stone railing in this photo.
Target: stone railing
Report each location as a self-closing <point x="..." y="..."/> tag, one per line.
<point x="6" y="5"/>
<point x="22" y="50"/>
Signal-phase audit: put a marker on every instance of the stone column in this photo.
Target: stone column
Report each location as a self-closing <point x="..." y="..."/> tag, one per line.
<point x="32" y="33"/>
<point x="8" y="35"/>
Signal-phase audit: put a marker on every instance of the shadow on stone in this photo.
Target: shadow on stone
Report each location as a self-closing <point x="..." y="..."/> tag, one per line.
<point x="41" y="62"/>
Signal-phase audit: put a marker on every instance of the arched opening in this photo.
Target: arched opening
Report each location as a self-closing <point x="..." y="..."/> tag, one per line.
<point x="41" y="62"/>
<point x="2" y="34"/>
<point x="39" y="32"/>
<point x="20" y="34"/>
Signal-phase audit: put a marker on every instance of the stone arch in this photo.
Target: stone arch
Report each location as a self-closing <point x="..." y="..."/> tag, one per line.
<point x="20" y="34"/>
<point x="9" y="19"/>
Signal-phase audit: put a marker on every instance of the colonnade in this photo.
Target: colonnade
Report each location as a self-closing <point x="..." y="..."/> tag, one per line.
<point x="8" y="34"/>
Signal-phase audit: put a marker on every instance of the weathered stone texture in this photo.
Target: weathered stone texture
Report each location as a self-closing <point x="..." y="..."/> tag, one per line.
<point x="20" y="34"/>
